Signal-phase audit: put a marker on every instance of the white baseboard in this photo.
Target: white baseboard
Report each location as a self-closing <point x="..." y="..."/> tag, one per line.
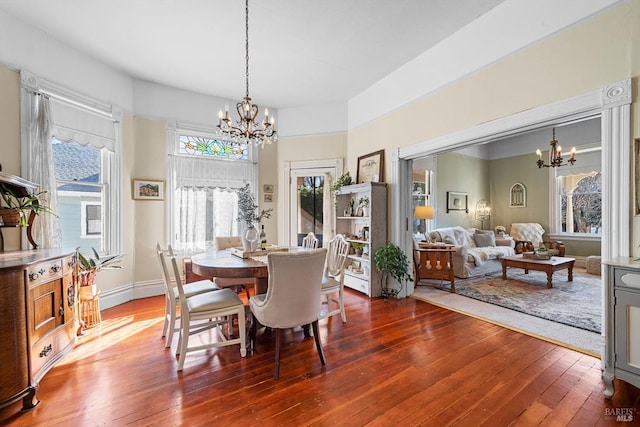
<point x="126" y="293"/>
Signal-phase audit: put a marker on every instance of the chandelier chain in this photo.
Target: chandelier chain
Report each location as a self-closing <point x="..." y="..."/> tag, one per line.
<point x="246" y="14"/>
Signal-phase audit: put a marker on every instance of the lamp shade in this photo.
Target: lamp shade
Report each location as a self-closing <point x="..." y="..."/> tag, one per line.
<point x="424" y="212"/>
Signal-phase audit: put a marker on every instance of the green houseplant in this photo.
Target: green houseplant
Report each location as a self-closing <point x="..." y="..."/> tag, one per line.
<point x="345" y="179"/>
<point x="392" y="263"/>
<point x="23" y="206"/>
<point x="89" y="266"/>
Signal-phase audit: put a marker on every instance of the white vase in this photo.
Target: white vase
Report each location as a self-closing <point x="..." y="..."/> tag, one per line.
<point x="249" y="244"/>
<point x="365" y="211"/>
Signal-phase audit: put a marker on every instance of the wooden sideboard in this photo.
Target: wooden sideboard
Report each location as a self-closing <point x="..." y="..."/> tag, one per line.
<point x="37" y="296"/>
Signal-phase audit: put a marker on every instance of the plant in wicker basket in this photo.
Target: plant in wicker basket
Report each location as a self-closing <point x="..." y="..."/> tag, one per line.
<point x="16" y="209"/>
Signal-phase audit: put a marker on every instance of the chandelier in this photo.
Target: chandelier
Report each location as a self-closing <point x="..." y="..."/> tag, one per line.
<point x="246" y="129"/>
<point x="555" y="155"/>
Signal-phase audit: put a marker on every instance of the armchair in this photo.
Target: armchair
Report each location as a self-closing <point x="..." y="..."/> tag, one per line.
<point x="529" y="236"/>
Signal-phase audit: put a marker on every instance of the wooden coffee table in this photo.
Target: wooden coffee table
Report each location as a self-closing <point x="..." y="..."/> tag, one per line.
<point x="556" y="263"/>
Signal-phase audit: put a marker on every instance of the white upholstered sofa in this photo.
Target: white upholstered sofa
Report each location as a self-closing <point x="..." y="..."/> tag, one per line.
<point x="477" y="252"/>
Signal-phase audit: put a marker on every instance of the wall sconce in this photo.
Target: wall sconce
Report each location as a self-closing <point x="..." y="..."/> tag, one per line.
<point x="483" y="212"/>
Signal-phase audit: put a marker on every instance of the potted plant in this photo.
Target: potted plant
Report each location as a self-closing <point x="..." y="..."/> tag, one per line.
<point x="357" y="247"/>
<point x="17" y="209"/>
<point x="89" y="267"/>
<point x="248" y="216"/>
<point x="392" y="262"/>
<point x="345" y="179"/>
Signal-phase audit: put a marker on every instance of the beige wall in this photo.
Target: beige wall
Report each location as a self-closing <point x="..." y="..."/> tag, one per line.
<point x="584" y="58"/>
<point x="465" y="174"/>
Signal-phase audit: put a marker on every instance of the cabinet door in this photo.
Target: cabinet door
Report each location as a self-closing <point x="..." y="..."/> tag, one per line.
<point x="45" y="309"/>
<point x="627" y="331"/>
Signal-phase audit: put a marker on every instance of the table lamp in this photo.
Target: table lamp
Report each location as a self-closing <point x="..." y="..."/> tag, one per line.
<point x="426" y="213"/>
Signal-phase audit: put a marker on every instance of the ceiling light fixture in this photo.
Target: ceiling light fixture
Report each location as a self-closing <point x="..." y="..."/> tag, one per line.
<point x="246" y="129"/>
<point x="555" y="155"/>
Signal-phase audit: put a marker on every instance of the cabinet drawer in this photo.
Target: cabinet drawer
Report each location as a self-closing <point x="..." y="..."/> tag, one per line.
<point x="627" y="279"/>
<point x="44" y="272"/>
<point x="47" y="350"/>
<point x="68" y="264"/>
<point x="356" y="283"/>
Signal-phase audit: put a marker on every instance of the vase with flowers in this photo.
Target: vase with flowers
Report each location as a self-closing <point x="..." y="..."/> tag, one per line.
<point x="248" y="217"/>
<point x="500" y="230"/>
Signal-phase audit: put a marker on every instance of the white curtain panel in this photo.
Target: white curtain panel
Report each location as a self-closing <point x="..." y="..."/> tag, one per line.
<point x="46" y="230"/>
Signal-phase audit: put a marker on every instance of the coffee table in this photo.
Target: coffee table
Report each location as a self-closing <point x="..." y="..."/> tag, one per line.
<point x="556" y="263"/>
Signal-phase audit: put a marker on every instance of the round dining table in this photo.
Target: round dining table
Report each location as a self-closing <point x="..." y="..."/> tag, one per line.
<point x="223" y="263"/>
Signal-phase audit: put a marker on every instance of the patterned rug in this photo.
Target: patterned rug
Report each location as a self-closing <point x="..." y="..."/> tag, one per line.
<point x="576" y="303"/>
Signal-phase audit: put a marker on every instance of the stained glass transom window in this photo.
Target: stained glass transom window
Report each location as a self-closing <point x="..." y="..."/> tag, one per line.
<point x="209" y="147"/>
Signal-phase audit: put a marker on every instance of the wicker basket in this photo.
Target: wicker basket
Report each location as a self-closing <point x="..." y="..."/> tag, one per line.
<point x="10" y="216"/>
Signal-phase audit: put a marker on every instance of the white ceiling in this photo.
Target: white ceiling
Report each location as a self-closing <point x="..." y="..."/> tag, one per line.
<point x="301" y="52"/>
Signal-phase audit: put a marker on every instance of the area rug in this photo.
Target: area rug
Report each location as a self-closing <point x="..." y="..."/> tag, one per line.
<point x="577" y="303"/>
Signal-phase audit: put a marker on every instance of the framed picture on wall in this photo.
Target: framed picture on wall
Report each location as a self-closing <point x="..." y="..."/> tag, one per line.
<point x="457" y="201"/>
<point x="371" y="167"/>
<point x="146" y="189"/>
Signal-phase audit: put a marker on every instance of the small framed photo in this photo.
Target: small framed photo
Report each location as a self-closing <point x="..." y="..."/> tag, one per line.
<point x="457" y="201"/>
<point x="268" y="198"/>
<point x="146" y="189"/>
<point x="267" y="188"/>
<point x="371" y="167"/>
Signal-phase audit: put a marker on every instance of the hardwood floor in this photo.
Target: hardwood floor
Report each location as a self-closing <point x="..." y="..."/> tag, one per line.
<point x="402" y="362"/>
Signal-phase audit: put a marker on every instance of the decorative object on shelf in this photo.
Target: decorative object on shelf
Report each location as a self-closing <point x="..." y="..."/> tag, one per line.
<point x="500" y="230"/>
<point x="425" y="213"/>
<point x="248" y="217"/>
<point x="246" y="129"/>
<point x="457" y="201"/>
<point x="371" y="167"/>
<point x="18" y="208"/>
<point x="518" y="195"/>
<point x="483" y="212"/>
<point x="146" y="189"/>
<point x="345" y="179"/>
<point x="391" y="261"/>
<point x="555" y="155"/>
<point x="357" y="247"/>
<point x="363" y="206"/>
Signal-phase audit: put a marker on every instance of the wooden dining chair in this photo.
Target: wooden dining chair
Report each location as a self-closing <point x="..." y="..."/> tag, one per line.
<point x="240" y="283"/>
<point x="172" y="301"/>
<point x="333" y="277"/>
<point x="203" y="312"/>
<point x="292" y="298"/>
<point x="310" y="241"/>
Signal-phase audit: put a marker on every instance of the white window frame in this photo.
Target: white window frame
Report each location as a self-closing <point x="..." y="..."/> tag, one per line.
<point x="173" y="132"/>
<point x="111" y="160"/>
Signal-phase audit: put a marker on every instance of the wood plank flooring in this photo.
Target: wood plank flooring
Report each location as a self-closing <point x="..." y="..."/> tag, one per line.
<point x="401" y="362"/>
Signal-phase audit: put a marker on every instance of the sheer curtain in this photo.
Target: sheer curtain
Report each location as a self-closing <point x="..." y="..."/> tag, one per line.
<point x="204" y="202"/>
<point x="328" y="222"/>
<point x="46" y="230"/>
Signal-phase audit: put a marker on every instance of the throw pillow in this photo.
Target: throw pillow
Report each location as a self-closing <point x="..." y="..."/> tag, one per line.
<point x="484" y="240"/>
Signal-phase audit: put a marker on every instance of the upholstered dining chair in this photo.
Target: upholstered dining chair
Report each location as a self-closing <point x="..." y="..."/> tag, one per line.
<point x="310" y="241"/>
<point x="203" y="312"/>
<point x="292" y="298"/>
<point x="172" y="300"/>
<point x="241" y="283"/>
<point x="333" y="278"/>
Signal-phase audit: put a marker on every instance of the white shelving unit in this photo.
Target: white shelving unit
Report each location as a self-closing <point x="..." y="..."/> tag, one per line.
<point x="369" y="230"/>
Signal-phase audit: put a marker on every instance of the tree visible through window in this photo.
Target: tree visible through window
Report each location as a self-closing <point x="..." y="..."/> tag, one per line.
<point x="582" y="203"/>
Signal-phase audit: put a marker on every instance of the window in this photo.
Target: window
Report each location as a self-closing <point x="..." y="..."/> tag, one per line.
<point x="581" y="199"/>
<point x="71" y="147"/>
<point x="204" y="174"/>
<point x="577" y="201"/>
<point x="81" y="190"/>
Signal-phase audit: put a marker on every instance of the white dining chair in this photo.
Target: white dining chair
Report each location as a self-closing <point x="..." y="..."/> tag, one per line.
<point x="172" y="301"/>
<point x="203" y="312"/>
<point x="310" y="241"/>
<point x="333" y="278"/>
<point x="292" y="298"/>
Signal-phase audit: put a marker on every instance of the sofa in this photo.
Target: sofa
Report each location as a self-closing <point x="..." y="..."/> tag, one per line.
<point x="477" y="252"/>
